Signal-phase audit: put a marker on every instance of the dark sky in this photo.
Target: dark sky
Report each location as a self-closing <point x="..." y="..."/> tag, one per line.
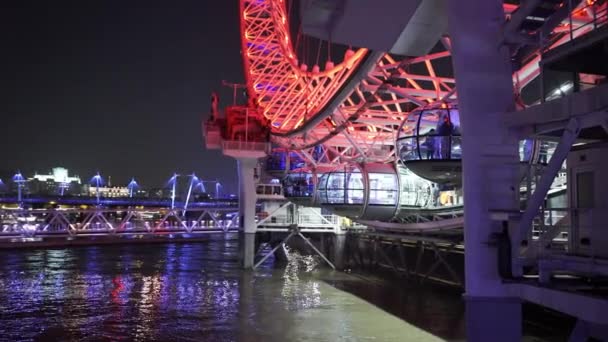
<point x="116" y="86"/>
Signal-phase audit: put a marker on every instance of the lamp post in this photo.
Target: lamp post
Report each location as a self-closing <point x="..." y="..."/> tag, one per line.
<point x="62" y="187"/>
<point x="234" y="87"/>
<point x="98" y="181"/>
<point x="132" y="186"/>
<point x="218" y="185"/>
<point x="217" y="189"/>
<point x="173" y="183"/>
<point x="19" y="180"/>
<point x="193" y="180"/>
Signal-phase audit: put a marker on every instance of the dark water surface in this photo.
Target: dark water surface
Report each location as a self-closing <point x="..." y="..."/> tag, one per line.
<point x="196" y="292"/>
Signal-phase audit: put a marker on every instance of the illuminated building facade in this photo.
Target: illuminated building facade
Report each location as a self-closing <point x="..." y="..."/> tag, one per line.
<point x="58" y="182"/>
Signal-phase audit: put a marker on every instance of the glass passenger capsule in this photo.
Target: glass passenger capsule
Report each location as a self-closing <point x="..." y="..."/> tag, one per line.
<point x="429" y="143"/>
<point x="372" y="191"/>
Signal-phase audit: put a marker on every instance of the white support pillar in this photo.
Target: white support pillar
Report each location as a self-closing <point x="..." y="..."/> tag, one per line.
<point x="490" y="162"/>
<point x="247" y="201"/>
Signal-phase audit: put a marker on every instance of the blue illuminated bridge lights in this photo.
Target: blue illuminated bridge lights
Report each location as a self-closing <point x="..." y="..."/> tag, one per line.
<point x="19" y="180"/>
<point x="194" y="181"/>
<point x="18" y="177"/>
<point x="97" y="180"/>
<point x="132" y="186"/>
<point x="173" y="184"/>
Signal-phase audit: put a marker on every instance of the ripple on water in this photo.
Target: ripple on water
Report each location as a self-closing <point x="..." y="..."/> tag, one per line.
<point x="185" y="292"/>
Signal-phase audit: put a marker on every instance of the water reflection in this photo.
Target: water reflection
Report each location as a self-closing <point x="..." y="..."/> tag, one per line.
<point x="300" y="294"/>
<point x="188" y="292"/>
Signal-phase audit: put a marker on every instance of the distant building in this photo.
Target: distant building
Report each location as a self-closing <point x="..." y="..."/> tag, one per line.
<point x="159" y="193"/>
<point x="108" y="192"/>
<point x="58" y="175"/>
<point x="58" y="182"/>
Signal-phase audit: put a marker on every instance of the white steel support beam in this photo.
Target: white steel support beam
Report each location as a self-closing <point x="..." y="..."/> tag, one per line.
<point x="490" y="162"/>
<point x="247" y="200"/>
<point x="544" y="184"/>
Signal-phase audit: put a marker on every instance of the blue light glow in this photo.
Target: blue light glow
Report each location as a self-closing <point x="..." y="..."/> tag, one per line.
<point x="194" y="180"/>
<point x="218" y="186"/>
<point x="132" y="186"/>
<point x="262" y="47"/>
<point x="201" y="184"/>
<point x="97" y="180"/>
<point x="269" y="87"/>
<point x="172" y="180"/>
<point x="18" y="177"/>
<point x="173" y="183"/>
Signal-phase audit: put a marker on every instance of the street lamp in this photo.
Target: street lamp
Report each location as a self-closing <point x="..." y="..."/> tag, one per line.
<point x="193" y="180"/>
<point x="62" y="187"/>
<point x="19" y="180"/>
<point x="98" y="181"/>
<point x="132" y="186"/>
<point x="217" y="189"/>
<point x="173" y="183"/>
<point x="234" y="87"/>
<point x="217" y="186"/>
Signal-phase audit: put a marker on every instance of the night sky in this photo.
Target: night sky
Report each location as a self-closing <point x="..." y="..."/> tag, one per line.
<point x="116" y="86"/>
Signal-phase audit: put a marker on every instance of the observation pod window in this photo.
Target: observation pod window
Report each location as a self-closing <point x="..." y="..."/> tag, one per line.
<point x="342" y="187"/>
<point x="268" y="189"/>
<point x="415" y="191"/>
<point x="281" y="160"/>
<point x="383" y="189"/>
<point x="299" y="184"/>
<point x="536" y="151"/>
<point x="526" y="149"/>
<point x="431" y="133"/>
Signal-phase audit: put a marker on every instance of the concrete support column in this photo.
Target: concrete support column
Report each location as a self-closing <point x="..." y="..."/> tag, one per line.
<point x="323" y="244"/>
<point x="493" y="319"/>
<point x="247" y="201"/>
<point x="338" y="250"/>
<point x="490" y="161"/>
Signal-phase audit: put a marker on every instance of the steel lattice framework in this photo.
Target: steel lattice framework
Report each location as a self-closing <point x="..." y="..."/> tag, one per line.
<point x="285" y="92"/>
<point x="362" y="127"/>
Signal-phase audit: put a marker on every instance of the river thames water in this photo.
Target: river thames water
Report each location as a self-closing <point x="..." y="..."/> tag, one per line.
<point x="196" y="292"/>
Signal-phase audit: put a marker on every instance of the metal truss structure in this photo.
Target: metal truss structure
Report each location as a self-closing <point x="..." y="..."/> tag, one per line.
<point x="304" y="218"/>
<point x="354" y="108"/>
<point x="100" y="221"/>
<point x="414" y="258"/>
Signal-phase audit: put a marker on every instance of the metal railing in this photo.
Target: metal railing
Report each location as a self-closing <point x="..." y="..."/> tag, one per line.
<point x="567" y="241"/>
<point x="600" y="17"/>
<point x="306" y="219"/>
<point x="246" y="145"/>
<point x="303" y="220"/>
<point x="549" y="221"/>
<point x="212" y="134"/>
<point x="269" y="190"/>
<point x="72" y="222"/>
<point x="570" y="33"/>
<point x="430" y="147"/>
<point x="311" y="219"/>
<point x="561" y="231"/>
